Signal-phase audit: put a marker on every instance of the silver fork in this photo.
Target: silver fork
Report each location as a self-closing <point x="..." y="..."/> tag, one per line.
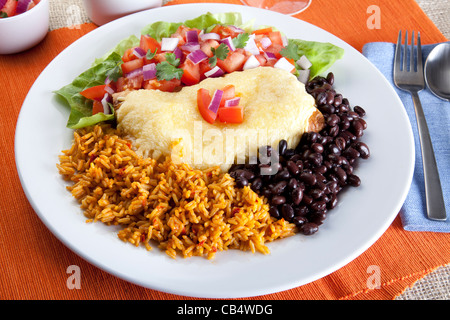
<point x="412" y="80"/>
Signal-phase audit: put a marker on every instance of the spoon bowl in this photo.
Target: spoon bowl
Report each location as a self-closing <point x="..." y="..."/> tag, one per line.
<point x="437" y="71"/>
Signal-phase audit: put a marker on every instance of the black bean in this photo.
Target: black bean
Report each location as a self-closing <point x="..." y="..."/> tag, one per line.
<point x="299" y="221"/>
<point x="309" y="228"/>
<point x="256" y="184"/>
<point x="307" y="199"/>
<point x="359" y="111"/>
<point x="351" y="153"/>
<point x="297" y="196"/>
<point x="282" y="146"/>
<point x="340" y="173"/>
<point x="283" y="174"/>
<point x="278" y="188"/>
<point x="333" y="120"/>
<point x="308" y="178"/>
<point x="330" y="78"/>
<point x="293" y="184"/>
<point x="277" y="200"/>
<point x="316" y="193"/>
<point x="317" y="147"/>
<point x="362" y="148"/>
<point x="333" y="202"/>
<point x="292" y="167"/>
<point x="241" y="182"/>
<point x="287" y="211"/>
<point x="318" y="205"/>
<point x="353" y="180"/>
<point x="274" y="212"/>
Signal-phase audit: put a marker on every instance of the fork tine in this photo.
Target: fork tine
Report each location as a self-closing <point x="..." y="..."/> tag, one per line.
<point x="405" y="51"/>
<point x="419" y="53"/>
<point x="398" y="51"/>
<point x="412" y="61"/>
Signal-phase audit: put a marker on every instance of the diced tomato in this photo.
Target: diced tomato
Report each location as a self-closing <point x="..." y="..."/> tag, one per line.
<point x="121" y="84"/>
<point x="231" y="114"/>
<point x="97" y="107"/>
<point x="275" y="49"/>
<point x="234" y="61"/>
<point x="9" y="8"/>
<point x="261" y="59"/>
<point x="131" y="65"/>
<point x="204" y="66"/>
<point x="149" y="43"/>
<point x="275" y="37"/>
<point x="135" y="82"/>
<point x="229" y="92"/>
<point x="163" y="85"/>
<point x="263" y="30"/>
<point x="203" y="101"/>
<point x="207" y="45"/>
<point x="191" y="73"/>
<point x="129" y="55"/>
<point x="94" y="93"/>
<point x="225" y="31"/>
<point x="181" y="33"/>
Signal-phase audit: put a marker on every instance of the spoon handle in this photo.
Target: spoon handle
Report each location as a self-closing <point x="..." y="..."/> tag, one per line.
<point x="433" y="190"/>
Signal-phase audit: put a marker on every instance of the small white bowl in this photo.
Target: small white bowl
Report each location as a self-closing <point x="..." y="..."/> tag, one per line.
<point x="104" y="11"/>
<point x="21" y="32"/>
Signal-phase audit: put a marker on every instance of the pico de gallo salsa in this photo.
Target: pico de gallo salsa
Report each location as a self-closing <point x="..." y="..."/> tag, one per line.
<point x="167" y="56"/>
<point x="10" y="8"/>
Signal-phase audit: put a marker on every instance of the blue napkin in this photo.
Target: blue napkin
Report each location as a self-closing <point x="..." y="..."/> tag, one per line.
<point x="437" y="113"/>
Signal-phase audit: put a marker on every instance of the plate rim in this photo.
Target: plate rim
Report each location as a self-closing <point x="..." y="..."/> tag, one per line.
<point x="249" y="293"/>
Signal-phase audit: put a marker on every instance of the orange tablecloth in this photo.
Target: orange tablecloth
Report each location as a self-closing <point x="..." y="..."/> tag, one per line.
<point x="33" y="262"/>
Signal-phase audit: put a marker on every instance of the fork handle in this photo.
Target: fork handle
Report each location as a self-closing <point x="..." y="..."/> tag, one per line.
<point x="433" y="191"/>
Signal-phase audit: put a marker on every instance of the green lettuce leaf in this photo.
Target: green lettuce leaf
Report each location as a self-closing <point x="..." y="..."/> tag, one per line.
<point x="80" y="107"/>
<point x="322" y="55"/>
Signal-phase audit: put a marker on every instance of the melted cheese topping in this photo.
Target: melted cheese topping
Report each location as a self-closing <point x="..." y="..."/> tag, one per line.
<point x="276" y="106"/>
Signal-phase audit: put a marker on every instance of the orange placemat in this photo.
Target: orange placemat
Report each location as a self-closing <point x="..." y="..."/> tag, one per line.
<point x="34" y="263"/>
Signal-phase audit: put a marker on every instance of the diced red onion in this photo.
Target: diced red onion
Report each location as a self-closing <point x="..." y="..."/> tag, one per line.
<point x="22" y="6"/>
<point x="236" y="29"/>
<point x="169" y="44"/>
<point x="108" y="80"/>
<point x="229" y="42"/>
<point x="214" y="72"/>
<point x="251" y="63"/>
<point x="139" y="52"/>
<point x="178" y="53"/>
<point x="215" y="101"/>
<point x="251" y="46"/>
<point x="191" y="47"/>
<point x="210" y="36"/>
<point x="197" y="56"/>
<point x="191" y="36"/>
<point x="149" y="71"/>
<point x="134" y="73"/>
<point x="282" y="63"/>
<point x="232" y="102"/>
<point x="265" y="42"/>
<point x="303" y="76"/>
<point x="106" y="99"/>
<point x="2" y="3"/>
<point x="109" y="90"/>
<point x="304" y="63"/>
<point x="270" y="55"/>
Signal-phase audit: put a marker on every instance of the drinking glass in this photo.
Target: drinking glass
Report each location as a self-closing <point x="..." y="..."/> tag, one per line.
<point x="289" y="7"/>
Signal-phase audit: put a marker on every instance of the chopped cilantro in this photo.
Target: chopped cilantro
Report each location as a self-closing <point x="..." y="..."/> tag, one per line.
<point x="115" y="73"/>
<point x="221" y="52"/>
<point x="3" y="15"/>
<point x="290" y="51"/>
<point x="241" y="40"/>
<point x="167" y="71"/>
<point x="172" y="59"/>
<point x="150" y="55"/>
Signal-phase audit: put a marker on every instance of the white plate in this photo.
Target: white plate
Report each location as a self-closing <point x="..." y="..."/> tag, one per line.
<point x="362" y="216"/>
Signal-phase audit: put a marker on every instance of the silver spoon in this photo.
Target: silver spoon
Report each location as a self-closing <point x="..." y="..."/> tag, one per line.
<point x="437" y="71"/>
<point x="437" y="77"/>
